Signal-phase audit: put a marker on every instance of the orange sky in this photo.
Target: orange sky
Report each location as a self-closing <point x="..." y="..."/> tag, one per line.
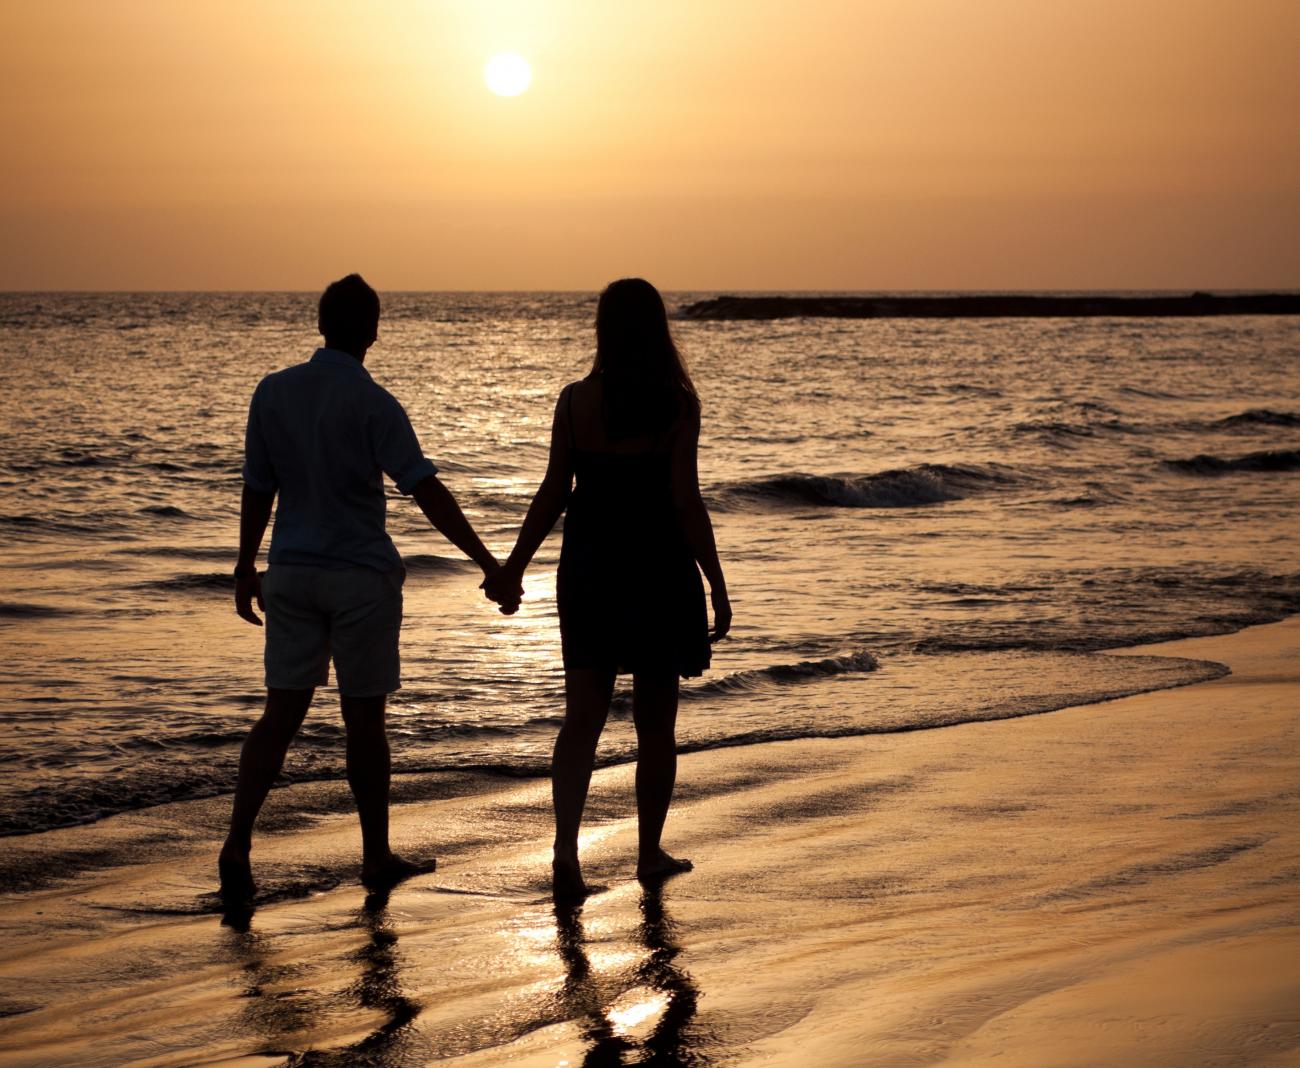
<point x="708" y="144"/>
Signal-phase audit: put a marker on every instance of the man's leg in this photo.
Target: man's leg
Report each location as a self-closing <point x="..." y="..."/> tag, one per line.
<point x="364" y="631"/>
<point x="369" y="770"/>
<point x="259" y="763"/>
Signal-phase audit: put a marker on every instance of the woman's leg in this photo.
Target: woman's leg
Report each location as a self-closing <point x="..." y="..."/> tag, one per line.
<point x="654" y="709"/>
<point x="587" y="692"/>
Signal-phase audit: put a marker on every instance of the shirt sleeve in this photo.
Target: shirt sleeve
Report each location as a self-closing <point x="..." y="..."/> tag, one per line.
<point x="397" y="450"/>
<point x="258" y="472"/>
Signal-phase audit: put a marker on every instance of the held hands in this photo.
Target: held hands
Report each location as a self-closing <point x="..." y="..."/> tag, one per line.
<point x="502" y="585"/>
<point x="505" y="587"/>
<point x="721" y="615"/>
<point x="248" y="588"/>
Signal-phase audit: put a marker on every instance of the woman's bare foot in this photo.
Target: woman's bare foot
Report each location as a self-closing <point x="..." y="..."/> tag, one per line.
<point x="659" y="865"/>
<point x="236" y="874"/>
<point x="566" y="878"/>
<point x="387" y="873"/>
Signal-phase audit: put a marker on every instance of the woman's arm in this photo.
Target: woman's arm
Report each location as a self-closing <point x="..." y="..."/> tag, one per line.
<point x="548" y="505"/>
<point x="694" y="517"/>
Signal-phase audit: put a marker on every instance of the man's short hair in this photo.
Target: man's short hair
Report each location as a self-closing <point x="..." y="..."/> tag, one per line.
<point x="349" y="311"/>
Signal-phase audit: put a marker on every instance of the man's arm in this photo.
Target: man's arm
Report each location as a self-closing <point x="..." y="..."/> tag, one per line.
<point x="437" y="503"/>
<point x="398" y="453"/>
<point x="254" y="515"/>
<point x="260" y="485"/>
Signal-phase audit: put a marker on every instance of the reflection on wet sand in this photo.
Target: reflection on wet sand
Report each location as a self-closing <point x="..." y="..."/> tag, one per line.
<point x="645" y="1013"/>
<point x="273" y="1008"/>
<point x="279" y="1016"/>
<point x="628" y="1006"/>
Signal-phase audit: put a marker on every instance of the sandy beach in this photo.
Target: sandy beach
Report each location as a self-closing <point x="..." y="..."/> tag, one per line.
<point x="1112" y="884"/>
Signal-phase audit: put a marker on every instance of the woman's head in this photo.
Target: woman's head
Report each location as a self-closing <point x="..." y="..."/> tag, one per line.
<point x="644" y="378"/>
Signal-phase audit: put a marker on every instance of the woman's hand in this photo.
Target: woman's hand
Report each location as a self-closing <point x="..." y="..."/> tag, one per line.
<point x="504" y="586"/>
<point x="721" y="615"/>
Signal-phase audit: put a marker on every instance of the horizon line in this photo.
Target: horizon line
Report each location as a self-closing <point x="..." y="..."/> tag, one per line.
<point x="727" y="290"/>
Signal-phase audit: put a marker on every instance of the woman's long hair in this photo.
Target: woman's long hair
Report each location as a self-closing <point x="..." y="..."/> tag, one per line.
<point x="645" y="383"/>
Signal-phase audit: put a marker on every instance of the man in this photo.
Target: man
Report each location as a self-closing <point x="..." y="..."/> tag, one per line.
<point x="321" y="435"/>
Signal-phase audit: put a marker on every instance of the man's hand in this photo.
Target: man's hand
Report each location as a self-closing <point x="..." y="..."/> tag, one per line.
<point x="721" y="616"/>
<point x="505" y="587"/>
<point x="254" y="513"/>
<point x="248" y="588"/>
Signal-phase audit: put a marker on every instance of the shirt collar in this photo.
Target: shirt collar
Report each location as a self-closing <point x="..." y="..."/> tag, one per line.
<point x="340" y="359"/>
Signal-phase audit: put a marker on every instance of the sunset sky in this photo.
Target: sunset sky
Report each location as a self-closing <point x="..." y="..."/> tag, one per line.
<point x="705" y="144"/>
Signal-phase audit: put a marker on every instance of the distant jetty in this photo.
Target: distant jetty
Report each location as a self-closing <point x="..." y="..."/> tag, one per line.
<point x="992" y="306"/>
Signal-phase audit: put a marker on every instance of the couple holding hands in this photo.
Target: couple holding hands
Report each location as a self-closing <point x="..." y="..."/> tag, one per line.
<point x="321" y="436"/>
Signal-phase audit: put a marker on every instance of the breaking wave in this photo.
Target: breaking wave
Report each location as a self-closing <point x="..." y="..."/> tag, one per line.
<point x="907" y="487"/>
<point x="1259" y="417"/>
<point x="1269" y="460"/>
<point x="743" y="682"/>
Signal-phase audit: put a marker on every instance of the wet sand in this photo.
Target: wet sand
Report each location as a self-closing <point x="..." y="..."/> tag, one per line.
<point x="1111" y="884"/>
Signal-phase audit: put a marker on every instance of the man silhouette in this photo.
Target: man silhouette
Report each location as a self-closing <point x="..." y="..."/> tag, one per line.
<point x="321" y="435"/>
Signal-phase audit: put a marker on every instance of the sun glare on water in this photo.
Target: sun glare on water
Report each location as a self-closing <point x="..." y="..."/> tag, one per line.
<point x="507" y="74"/>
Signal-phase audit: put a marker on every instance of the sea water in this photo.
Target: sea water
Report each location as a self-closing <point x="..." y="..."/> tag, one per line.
<point x="923" y="523"/>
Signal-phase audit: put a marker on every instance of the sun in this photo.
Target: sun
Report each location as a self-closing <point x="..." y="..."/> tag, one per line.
<point x="507" y="74"/>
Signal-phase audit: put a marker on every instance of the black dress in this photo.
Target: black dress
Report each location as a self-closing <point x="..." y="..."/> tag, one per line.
<point x="628" y="589"/>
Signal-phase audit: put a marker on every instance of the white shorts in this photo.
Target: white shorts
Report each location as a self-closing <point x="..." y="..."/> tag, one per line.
<point x="353" y="615"/>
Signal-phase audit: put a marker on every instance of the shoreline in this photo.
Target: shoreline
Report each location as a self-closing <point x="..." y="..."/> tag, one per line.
<point x="417" y="783"/>
<point x="1116" y="885"/>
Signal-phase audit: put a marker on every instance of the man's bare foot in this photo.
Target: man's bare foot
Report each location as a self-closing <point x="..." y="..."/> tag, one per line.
<point x="386" y="873"/>
<point x="566" y="879"/>
<point x="237" y="886"/>
<point x="659" y="865"/>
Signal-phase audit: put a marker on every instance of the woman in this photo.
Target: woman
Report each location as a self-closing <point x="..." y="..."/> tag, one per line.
<point x="628" y="588"/>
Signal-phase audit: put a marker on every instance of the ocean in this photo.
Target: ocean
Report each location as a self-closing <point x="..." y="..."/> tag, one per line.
<point x="923" y="523"/>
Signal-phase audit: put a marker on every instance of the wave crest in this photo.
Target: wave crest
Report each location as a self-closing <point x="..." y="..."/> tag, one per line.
<point x="743" y="682"/>
<point x="1268" y="460"/>
<point x="190" y="582"/>
<point x="907" y="487"/>
<point x="23" y="610"/>
<point x="1259" y="417"/>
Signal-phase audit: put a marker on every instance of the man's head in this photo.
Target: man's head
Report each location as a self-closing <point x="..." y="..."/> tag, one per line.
<point x="349" y="315"/>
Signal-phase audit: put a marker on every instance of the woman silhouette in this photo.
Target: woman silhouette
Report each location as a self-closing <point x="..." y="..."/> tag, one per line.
<point x="628" y="588"/>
